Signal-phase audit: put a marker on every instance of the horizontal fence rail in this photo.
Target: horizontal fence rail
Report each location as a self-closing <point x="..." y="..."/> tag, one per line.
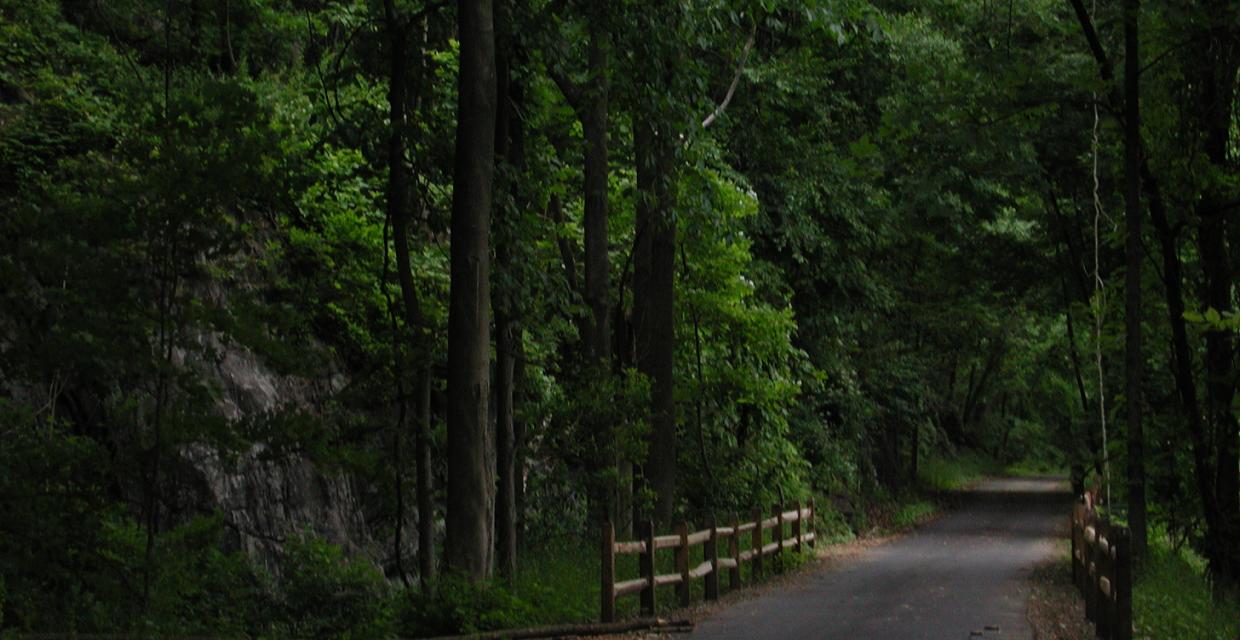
<point x="800" y="519"/>
<point x="1102" y="570"/>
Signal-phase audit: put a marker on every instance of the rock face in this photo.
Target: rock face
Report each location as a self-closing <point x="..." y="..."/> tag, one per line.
<point x="264" y="502"/>
<point x="266" y="499"/>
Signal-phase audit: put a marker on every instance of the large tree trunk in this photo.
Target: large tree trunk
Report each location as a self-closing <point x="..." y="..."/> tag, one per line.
<point x="1133" y="361"/>
<point x="471" y="476"/>
<point x="654" y="268"/>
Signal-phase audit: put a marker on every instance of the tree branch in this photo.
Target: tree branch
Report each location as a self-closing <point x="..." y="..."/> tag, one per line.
<point x="1095" y="45"/>
<point x="736" y="79"/>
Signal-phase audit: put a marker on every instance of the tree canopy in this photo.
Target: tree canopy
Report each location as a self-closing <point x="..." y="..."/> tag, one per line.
<point x="306" y="302"/>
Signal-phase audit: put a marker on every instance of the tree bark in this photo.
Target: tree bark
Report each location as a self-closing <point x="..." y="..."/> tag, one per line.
<point x="471" y="476"/>
<point x="594" y="126"/>
<point x="1212" y="109"/>
<point x="423" y="487"/>
<point x="1220" y="390"/>
<point x="654" y="268"/>
<point x="1212" y="74"/>
<point x="398" y="194"/>
<point x="510" y="149"/>
<point x="1133" y="360"/>
<point x="1182" y="352"/>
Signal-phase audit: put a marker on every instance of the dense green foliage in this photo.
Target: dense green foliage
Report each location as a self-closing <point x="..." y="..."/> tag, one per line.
<point x="1173" y="600"/>
<point x="888" y="272"/>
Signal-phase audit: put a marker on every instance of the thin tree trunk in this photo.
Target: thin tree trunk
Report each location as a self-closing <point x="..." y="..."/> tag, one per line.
<point x="1214" y="63"/>
<point x="1206" y="476"/>
<point x="1182" y="361"/>
<point x="505" y="454"/>
<point x="509" y="150"/>
<point x="518" y="447"/>
<point x="1133" y="361"/>
<point x="398" y="212"/>
<point x="594" y="126"/>
<point x="1071" y="263"/>
<point x="1220" y="390"/>
<point x="471" y="475"/>
<point x="424" y="487"/>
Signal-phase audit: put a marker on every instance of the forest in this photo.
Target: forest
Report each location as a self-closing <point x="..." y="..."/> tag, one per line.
<point x="357" y="318"/>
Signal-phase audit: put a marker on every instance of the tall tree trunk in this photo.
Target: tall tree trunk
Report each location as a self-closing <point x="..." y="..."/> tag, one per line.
<point x="509" y="141"/>
<point x="1133" y="361"/>
<point x="1207" y="471"/>
<point x="505" y="454"/>
<point x="594" y="118"/>
<point x="398" y="200"/>
<point x="471" y="475"/>
<point x="518" y="447"/>
<point x="654" y="268"/>
<point x="594" y="126"/>
<point x="1220" y="390"/>
<point x="423" y="486"/>
<point x="1182" y="352"/>
<point x="1212" y="76"/>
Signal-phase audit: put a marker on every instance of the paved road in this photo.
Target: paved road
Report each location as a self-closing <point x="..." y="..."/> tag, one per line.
<point x="959" y="575"/>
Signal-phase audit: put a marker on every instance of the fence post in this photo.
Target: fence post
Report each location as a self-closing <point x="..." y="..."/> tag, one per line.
<point x="1102" y="609"/>
<point x="609" y="573"/>
<point x="1087" y="589"/>
<point x="646" y="567"/>
<point x="796" y="527"/>
<point x="1123" y="585"/>
<point x="734" y="550"/>
<point x="711" y="555"/>
<point x="756" y="540"/>
<point x="1076" y="580"/>
<point x="777" y="536"/>
<point x="682" y="564"/>
<point x="813" y="513"/>
<point x="1083" y="547"/>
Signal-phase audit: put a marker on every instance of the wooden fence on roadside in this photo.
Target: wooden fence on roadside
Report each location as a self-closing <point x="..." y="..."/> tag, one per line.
<point x="1102" y="570"/>
<point x="800" y="519"/>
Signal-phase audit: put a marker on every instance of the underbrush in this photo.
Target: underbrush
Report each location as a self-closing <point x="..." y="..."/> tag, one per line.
<point x="316" y="590"/>
<point x="560" y="584"/>
<point x="955" y="472"/>
<point x="913" y="513"/>
<point x="1172" y="599"/>
<point x="950" y="473"/>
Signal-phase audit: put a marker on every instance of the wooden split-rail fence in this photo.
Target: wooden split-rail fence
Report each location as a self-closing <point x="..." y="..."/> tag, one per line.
<point x="799" y="518"/>
<point x="1102" y="570"/>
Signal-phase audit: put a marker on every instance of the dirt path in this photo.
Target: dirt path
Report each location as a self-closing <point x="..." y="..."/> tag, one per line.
<point x="960" y="577"/>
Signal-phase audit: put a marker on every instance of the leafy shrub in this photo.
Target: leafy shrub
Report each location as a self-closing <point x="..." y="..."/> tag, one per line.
<point x="912" y="513"/>
<point x="1172" y="598"/>
<point x="829" y="524"/>
<point x="323" y="594"/>
<point x="956" y="472"/>
<point x="457" y="605"/>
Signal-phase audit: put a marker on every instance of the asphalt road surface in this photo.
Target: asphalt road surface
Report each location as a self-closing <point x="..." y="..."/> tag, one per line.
<point x="960" y="577"/>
